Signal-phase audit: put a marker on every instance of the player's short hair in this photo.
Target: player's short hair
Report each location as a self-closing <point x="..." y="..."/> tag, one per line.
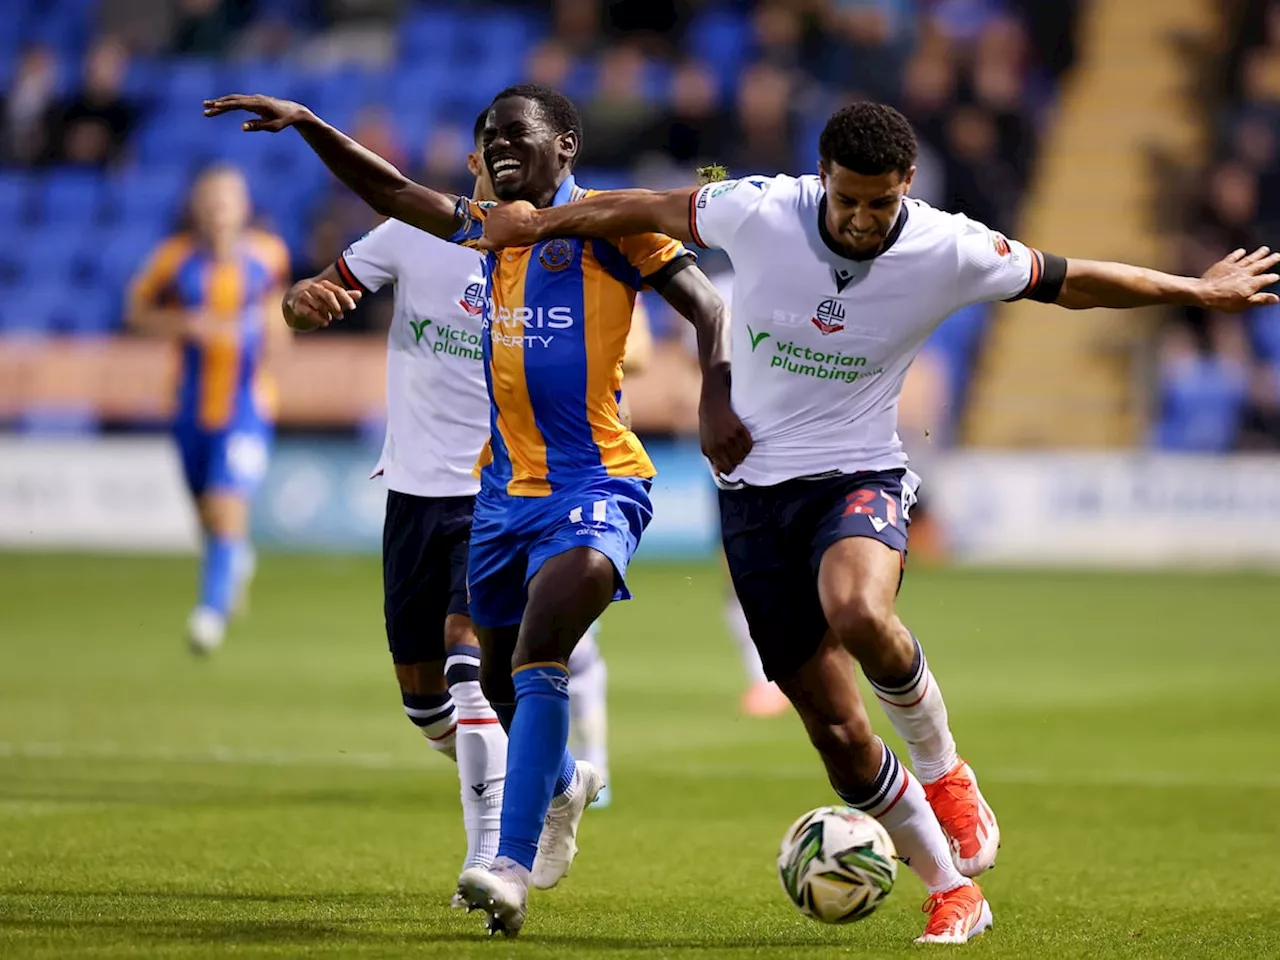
<point x="556" y="107"/>
<point x="870" y="139"/>
<point x="478" y="127"/>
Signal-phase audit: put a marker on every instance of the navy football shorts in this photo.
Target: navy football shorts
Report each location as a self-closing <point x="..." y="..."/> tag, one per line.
<point x="775" y="537"/>
<point x="424" y="571"/>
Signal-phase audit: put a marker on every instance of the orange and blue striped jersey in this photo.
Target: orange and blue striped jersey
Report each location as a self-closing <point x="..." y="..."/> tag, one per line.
<point x="556" y="322"/>
<point x="221" y="380"/>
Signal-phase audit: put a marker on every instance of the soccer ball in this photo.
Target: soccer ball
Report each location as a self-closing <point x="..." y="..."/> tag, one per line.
<point x="837" y="864"/>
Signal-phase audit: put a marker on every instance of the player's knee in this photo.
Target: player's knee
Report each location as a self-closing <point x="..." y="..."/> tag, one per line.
<point x="863" y="624"/>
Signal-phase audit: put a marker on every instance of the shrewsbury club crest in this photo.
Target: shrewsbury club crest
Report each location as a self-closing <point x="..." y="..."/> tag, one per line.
<point x="556" y="254"/>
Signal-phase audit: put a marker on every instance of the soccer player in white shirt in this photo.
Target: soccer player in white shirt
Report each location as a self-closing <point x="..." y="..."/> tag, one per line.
<point x="437" y="422"/>
<point x="840" y="278"/>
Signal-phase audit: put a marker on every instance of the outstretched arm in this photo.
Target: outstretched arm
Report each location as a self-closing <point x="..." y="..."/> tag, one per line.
<point x="612" y="213"/>
<point x="377" y="182"/>
<point x="1233" y="284"/>
<point x="725" y="439"/>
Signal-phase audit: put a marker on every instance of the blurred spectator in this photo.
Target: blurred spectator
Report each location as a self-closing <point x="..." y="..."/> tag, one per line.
<point x="26" y="110"/>
<point x="92" y="129"/>
<point x="443" y="164"/>
<point x="618" y="113"/>
<point x="1202" y="388"/>
<point x="980" y="182"/>
<point x="147" y="26"/>
<point x="205" y="27"/>
<point x="779" y="33"/>
<point x="549" y="64"/>
<point x="692" y="132"/>
<point x="577" y="25"/>
<point x="868" y="42"/>
<point x="765" y="136"/>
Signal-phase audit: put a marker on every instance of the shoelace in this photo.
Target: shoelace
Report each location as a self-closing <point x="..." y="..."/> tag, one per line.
<point x="961" y="789"/>
<point x="937" y="899"/>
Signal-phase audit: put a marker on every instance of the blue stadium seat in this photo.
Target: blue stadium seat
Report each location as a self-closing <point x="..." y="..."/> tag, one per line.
<point x="150" y="196"/>
<point x="433" y="32"/>
<point x="72" y="196"/>
<point x="190" y="82"/>
<point x="17" y="196"/>
<point x="46" y="254"/>
<point x="28" y="309"/>
<point x="124" y="251"/>
<point x="92" y="313"/>
<point x="144" y="80"/>
<point x="721" y="39"/>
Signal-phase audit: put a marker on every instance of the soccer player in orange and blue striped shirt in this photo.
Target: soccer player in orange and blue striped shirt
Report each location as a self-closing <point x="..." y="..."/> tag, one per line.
<point x="214" y="289"/>
<point x="564" y="484"/>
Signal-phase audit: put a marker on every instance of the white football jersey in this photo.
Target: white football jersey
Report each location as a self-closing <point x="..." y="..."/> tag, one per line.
<point x="437" y="402"/>
<point x="820" y="343"/>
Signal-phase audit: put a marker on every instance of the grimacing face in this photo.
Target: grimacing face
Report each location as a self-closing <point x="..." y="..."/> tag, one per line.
<point x="524" y="155"/>
<point x="862" y="209"/>
<point x="220" y="204"/>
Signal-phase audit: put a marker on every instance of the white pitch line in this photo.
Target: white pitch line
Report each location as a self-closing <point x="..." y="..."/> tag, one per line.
<point x="233" y="756"/>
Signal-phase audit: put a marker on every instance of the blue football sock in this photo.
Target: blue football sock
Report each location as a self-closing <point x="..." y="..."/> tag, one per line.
<point x="567" y="766"/>
<point x="218" y="577"/>
<point x="537" y="754"/>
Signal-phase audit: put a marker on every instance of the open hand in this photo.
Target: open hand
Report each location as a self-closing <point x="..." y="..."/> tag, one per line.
<point x="1237" y="281"/>
<point x="317" y="303"/>
<point x="273" y="115"/>
<point x="512" y="224"/>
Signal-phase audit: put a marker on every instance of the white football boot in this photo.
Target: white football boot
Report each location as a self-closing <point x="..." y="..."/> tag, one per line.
<point x="206" y="629"/>
<point x="501" y="891"/>
<point x="558" y="844"/>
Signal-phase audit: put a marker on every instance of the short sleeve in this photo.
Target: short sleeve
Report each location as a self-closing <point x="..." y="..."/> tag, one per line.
<point x="717" y="210"/>
<point x="993" y="267"/>
<point x="159" y="270"/>
<point x="650" y="252"/>
<point x="470" y="215"/>
<point x="370" y="263"/>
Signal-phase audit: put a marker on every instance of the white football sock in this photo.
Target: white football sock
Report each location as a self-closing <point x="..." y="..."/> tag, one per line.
<point x="736" y="621"/>
<point x="482" y="756"/>
<point x="897" y="800"/>
<point x="435" y="715"/>
<point x="588" y="709"/>
<point x="916" y="709"/>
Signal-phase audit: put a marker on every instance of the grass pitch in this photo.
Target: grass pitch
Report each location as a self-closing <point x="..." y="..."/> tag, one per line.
<point x="272" y="801"/>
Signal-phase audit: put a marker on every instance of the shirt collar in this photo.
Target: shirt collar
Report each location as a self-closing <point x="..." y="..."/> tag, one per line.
<point x="565" y="192"/>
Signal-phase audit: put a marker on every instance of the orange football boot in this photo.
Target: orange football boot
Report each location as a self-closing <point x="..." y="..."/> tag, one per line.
<point x="956" y="916"/>
<point x="966" y="819"/>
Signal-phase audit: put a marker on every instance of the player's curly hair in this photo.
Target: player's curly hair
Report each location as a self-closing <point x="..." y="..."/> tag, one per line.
<point x="868" y="138"/>
<point x="557" y="108"/>
<point x="478" y="127"/>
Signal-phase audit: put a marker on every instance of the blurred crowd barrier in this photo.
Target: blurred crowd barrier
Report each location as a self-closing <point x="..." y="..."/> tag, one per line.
<point x="1058" y="509"/>
<point x="330" y="382"/>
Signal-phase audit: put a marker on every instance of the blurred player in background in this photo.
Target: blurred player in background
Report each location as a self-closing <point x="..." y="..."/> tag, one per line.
<point x="437" y="423"/>
<point x="214" y="289"/>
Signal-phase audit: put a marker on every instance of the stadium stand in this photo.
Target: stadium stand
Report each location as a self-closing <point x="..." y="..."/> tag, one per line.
<point x="748" y="84"/>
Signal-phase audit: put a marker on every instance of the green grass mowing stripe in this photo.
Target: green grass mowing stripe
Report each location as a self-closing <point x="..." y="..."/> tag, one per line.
<point x="166" y="807"/>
